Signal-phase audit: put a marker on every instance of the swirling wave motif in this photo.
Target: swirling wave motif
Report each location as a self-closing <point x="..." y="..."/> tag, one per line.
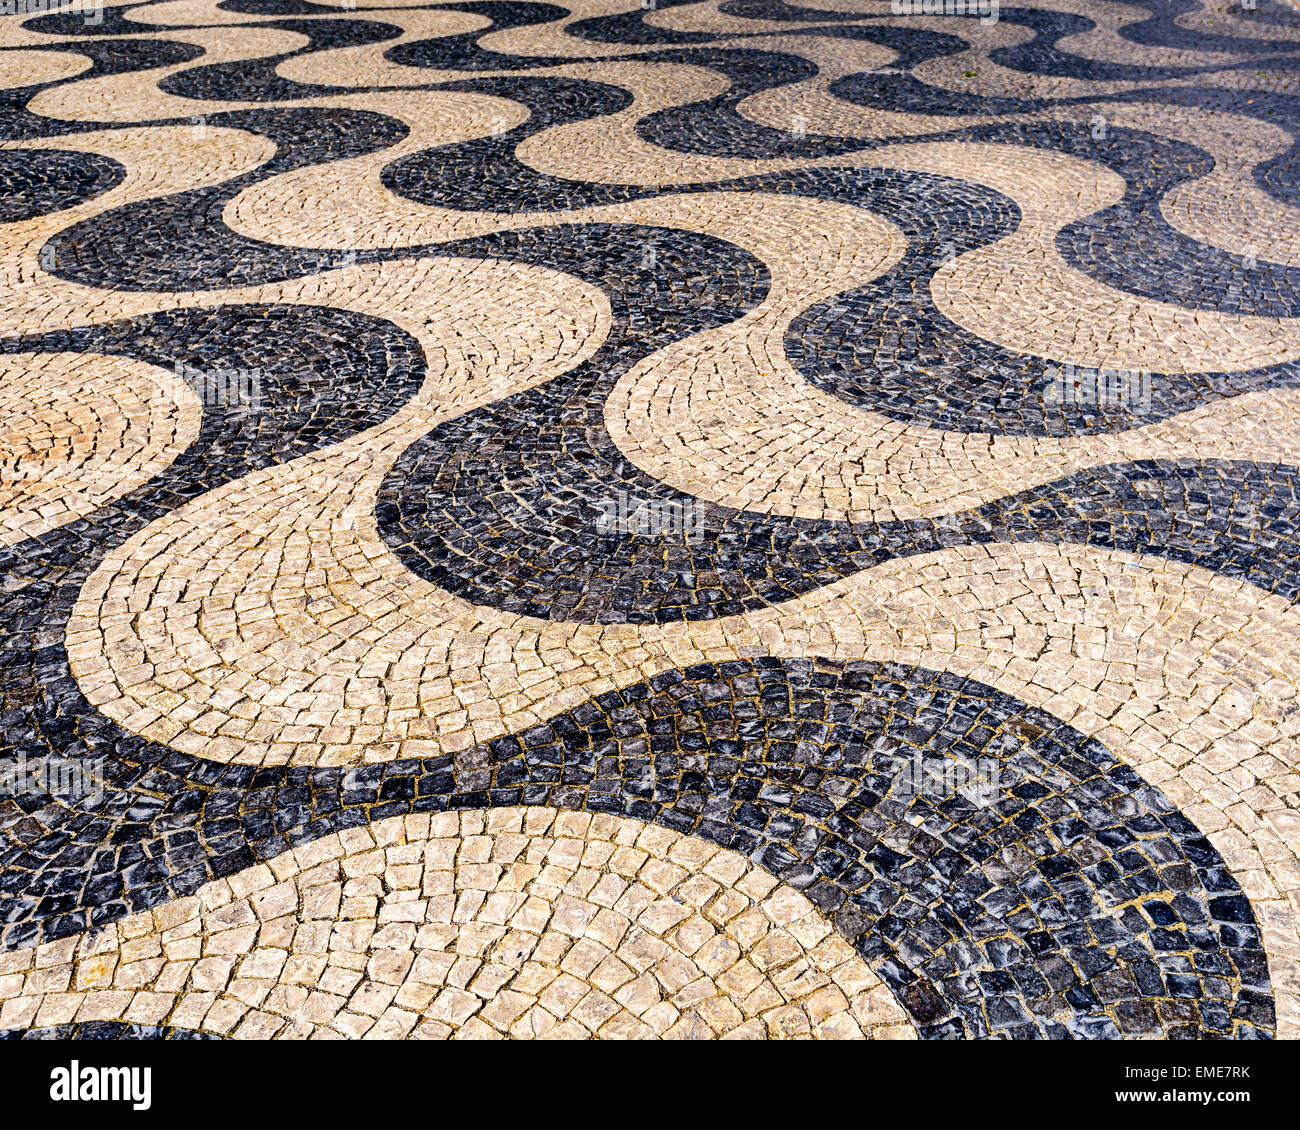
<point x="717" y="518"/>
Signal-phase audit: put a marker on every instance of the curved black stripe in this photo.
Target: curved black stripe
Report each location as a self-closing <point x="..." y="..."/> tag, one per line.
<point x="105" y="1030"/>
<point x="35" y="182"/>
<point x="1056" y="894"/>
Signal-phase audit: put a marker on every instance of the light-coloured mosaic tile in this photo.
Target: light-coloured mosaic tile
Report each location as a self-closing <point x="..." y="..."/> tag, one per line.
<point x="522" y="922"/>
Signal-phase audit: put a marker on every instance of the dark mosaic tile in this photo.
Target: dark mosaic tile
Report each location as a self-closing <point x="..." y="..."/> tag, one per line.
<point x="1028" y="896"/>
<point x="506" y="506"/>
<point x="1077" y="904"/>
<point x="34" y="182"/>
<point x="105" y="1030"/>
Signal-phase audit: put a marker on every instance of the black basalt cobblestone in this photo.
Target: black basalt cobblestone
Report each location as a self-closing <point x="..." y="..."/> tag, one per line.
<point x="1055" y="893"/>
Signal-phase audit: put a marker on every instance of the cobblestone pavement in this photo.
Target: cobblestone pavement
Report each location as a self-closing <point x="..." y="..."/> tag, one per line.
<point x="726" y="518"/>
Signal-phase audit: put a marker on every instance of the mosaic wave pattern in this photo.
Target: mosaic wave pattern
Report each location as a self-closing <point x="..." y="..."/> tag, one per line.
<point x="721" y="519"/>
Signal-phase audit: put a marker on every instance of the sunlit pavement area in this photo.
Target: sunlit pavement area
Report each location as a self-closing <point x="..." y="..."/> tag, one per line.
<point x="737" y="518"/>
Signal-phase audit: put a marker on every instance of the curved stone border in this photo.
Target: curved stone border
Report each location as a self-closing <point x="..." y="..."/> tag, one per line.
<point x="520" y="922"/>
